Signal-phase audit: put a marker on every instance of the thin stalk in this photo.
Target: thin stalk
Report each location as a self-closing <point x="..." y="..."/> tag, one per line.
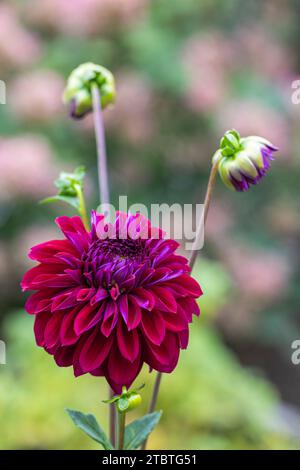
<point x="112" y="419"/>
<point x="104" y="199"/>
<point x="82" y="208"/>
<point x="153" y="400"/>
<point x="192" y="259"/>
<point x="208" y="196"/>
<point x="121" y="430"/>
<point x="101" y="147"/>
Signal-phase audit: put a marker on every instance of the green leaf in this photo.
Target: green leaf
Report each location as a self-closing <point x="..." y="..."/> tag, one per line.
<point x="79" y="173"/>
<point x="111" y="400"/>
<point x="139" y="388"/>
<point x="71" y="200"/>
<point x="137" y="431"/>
<point x="89" y="424"/>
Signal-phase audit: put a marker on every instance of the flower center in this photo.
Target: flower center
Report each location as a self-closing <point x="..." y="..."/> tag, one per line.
<point x="119" y="249"/>
<point x="107" y="261"/>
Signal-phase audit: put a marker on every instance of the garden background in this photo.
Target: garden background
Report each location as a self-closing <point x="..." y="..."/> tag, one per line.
<point x="186" y="71"/>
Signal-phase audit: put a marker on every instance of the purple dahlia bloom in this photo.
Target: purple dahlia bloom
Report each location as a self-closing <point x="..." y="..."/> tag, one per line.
<point x="107" y="305"/>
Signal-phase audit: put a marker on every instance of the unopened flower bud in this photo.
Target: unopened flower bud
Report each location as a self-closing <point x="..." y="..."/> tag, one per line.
<point x="78" y="92"/>
<point x="127" y="400"/>
<point x="243" y="161"/>
<point x="69" y="188"/>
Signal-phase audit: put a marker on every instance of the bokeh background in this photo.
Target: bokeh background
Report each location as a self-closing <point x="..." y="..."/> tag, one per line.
<point x="186" y="71"/>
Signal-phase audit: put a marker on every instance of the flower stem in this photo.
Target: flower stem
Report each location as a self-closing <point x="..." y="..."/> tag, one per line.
<point x="208" y="196"/>
<point x="153" y="400"/>
<point x="82" y="208"/>
<point x="112" y="419"/>
<point x="101" y="147"/>
<point x="104" y="199"/>
<point x="121" y="430"/>
<point x="192" y="259"/>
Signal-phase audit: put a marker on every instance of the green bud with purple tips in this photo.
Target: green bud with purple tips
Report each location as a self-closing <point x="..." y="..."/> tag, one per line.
<point x="78" y="92"/>
<point x="242" y="162"/>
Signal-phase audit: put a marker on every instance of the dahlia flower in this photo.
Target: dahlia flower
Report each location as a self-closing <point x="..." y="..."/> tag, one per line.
<point x="107" y="305"/>
<point x="242" y="162"/>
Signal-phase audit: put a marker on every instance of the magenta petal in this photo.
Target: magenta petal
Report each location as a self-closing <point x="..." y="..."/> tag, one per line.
<point x="190" y="306"/>
<point x="40" y="324"/>
<point x="101" y="294"/>
<point x="184" y="338"/>
<point x="85" y="294"/>
<point x="38" y="302"/>
<point x="46" y="251"/>
<point x="110" y="308"/>
<point x="72" y="224"/>
<point x="30" y="278"/>
<point x="86" y="318"/>
<point x="52" y="330"/>
<point x="134" y="313"/>
<point x="79" y="243"/>
<point x="110" y="320"/>
<point x="190" y="285"/>
<point x="67" y="299"/>
<point x="77" y="369"/>
<point x="174" y="322"/>
<point x="99" y="371"/>
<point x="128" y="342"/>
<point x="64" y="356"/>
<point x="123" y="306"/>
<point x="94" y="351"/>
<point x="159" y="275"/>
<point x="69" y="259"/>
<point x="164" y="299"/>
<point x="68" y="335"/>
<point x="77" y="351"/>
<point x="164" y="357"/>
<point x="144" y="298"/>
<point x="175" y="289"/>
<point x="55" y="281"/>
<point x="120" y="371"/>
<point x="95" y="219"/>
<point x="154" y="326"/>
<point x="128" y="284"/>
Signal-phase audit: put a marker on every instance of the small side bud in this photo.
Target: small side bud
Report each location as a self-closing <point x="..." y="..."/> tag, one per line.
<point x="67" y="183"/>
<point x="78" y="92"/>
<point x="243" y="162"/>
<point x="127" y="400"/>
<point x="69" y="188"/>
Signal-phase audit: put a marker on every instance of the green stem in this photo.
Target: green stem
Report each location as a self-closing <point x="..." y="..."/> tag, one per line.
<point x="101" y="146"/>
<point x="121" y="430"/>
<point x="112" y="418"/>
<point x="153" y="400"/>
<point x="82" y="208"/>
<point x="207" y="201"/>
